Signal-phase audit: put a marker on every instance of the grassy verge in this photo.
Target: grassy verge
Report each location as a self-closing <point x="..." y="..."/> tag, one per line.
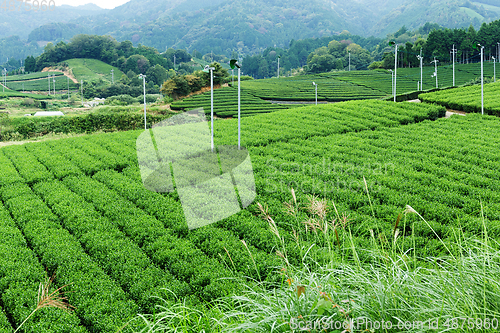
<point x="392" y="289"/>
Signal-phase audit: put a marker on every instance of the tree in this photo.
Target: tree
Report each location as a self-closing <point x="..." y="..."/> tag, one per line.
<point x="175" y="87"/>
<point x="137" y="63"/>
<point x="30" y="64"/>
<point x="321" y="63"/>
<point x="263" y="69"/>
<point x="219" y="74"/>
<point x="157" y="74"/>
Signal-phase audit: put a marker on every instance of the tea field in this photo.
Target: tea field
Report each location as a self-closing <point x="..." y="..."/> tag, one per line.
<point x="468" y="98"/>
<point x="77" y="208"/>
<point x="372" y="84"/>
<point x="32" y="76"/>
<point x="42" y="84"/>
<point x="226" y="103"/>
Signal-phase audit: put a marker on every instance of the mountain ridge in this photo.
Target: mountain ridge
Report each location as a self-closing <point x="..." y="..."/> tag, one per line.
<point x="242" y="26"/>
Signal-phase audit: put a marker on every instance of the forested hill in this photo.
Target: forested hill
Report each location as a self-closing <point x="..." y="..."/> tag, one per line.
<point x="447" y="13"/>
<point x="228" y="27"/>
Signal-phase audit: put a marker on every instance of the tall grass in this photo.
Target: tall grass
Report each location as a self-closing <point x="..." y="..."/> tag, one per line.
<point x="394" y="291"/>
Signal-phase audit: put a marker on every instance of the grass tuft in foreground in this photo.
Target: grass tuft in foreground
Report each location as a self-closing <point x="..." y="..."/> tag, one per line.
<point x="394" y="291"/>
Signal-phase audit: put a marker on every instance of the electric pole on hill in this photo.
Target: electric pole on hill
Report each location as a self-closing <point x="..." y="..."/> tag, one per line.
<point x="112" y="76"/>
<point x="435" y="70"/>
<point x="482" y="78"/>
<point x="419" y="57"/>
<point x="454" y="51"/>
<point x="393" y="43"/>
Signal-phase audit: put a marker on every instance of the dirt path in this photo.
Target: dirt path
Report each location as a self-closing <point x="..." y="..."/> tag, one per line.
<point x="51" y="69"/>
<point x="41" y="139"/>
<point x="10" y="143"/>
<point x="450" y="112"/>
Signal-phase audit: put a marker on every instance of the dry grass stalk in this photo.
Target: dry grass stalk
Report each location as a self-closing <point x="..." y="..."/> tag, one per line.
<point x="318" y="207"/>
<point x="313" y="225"/>
<point x="230" y="258"/>
<point x="47" y="299"/>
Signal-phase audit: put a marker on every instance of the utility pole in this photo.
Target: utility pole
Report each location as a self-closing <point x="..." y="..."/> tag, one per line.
<point x="279" y="66"/>
<point x="210" y="70"/>
<point x="395" y="70"/>
<point x="494" y="70"/>
<point x="3" y="80"/>
<point x="316" y="89"/>
<point x="421" y="70"/>
<point x="454" y="51"/>
<point x="435" y="70"/>
<point x="112" y="76"/>
<point x="81" y="88"/>
<point x="349" y="61"/>
<point x="498" y="52"/>
<point x="234" y="63"/>
<point x="143" y="77"/>
<point x="48" y="76"/>
<point x="482" y="78"/>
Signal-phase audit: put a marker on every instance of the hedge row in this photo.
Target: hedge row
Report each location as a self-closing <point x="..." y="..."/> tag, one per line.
<point x="29" y="127"/>
<point x="26" y="164"/>
<point x="88" y="164"/>
<point x="109" y="159"/>
<point x="169" y="211"/>
<point x="166" y="250"/>
<point x="114" y="144"/>
<point x="8" y="173"/>
<point x="20" y="276"/>
<point x="100" y="303"/>
<point x="467" y="99"/>
<point x="119" y="257"/>
<point x="55" y="162"/>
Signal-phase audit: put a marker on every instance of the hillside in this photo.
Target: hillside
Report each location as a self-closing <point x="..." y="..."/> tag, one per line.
<point x="448" y="13"/>
<point x="245" y="26"/>
<point x="92" y="69"/>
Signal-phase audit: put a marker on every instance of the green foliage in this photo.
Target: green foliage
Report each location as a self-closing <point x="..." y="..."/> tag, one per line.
<point x="120" y="100"/>
<point x="59" y="250"/>
<point x="467" y="99"/>
<point x="29" y="127"/>
<point x="226" y="103"/>
<point x="92" y="69"/>
<point x="21" y="274"/>
<point x="31" y="76"/>
<point x="42" y="84"/>
<point x="81" y="206"/>
<point x="11" y="93"/>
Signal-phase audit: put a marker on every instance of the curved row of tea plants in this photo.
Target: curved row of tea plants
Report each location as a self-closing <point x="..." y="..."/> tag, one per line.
<point x="467" y="99"/>
<point x="132" y="241"/>
<point x="42" y="84"/>
<point x="20" y="276"/>
<point x="300" y="88"/>
<point x="32" y="76"/>
<point x="226" y="103"/>
<point x="100" y="302"/>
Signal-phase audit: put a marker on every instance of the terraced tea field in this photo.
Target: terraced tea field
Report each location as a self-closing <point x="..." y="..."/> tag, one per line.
<point x="77" y="207"/>
<point x="341" y="86"/>
<point x="467" y="99"/>
<point x="226" y="103"/>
